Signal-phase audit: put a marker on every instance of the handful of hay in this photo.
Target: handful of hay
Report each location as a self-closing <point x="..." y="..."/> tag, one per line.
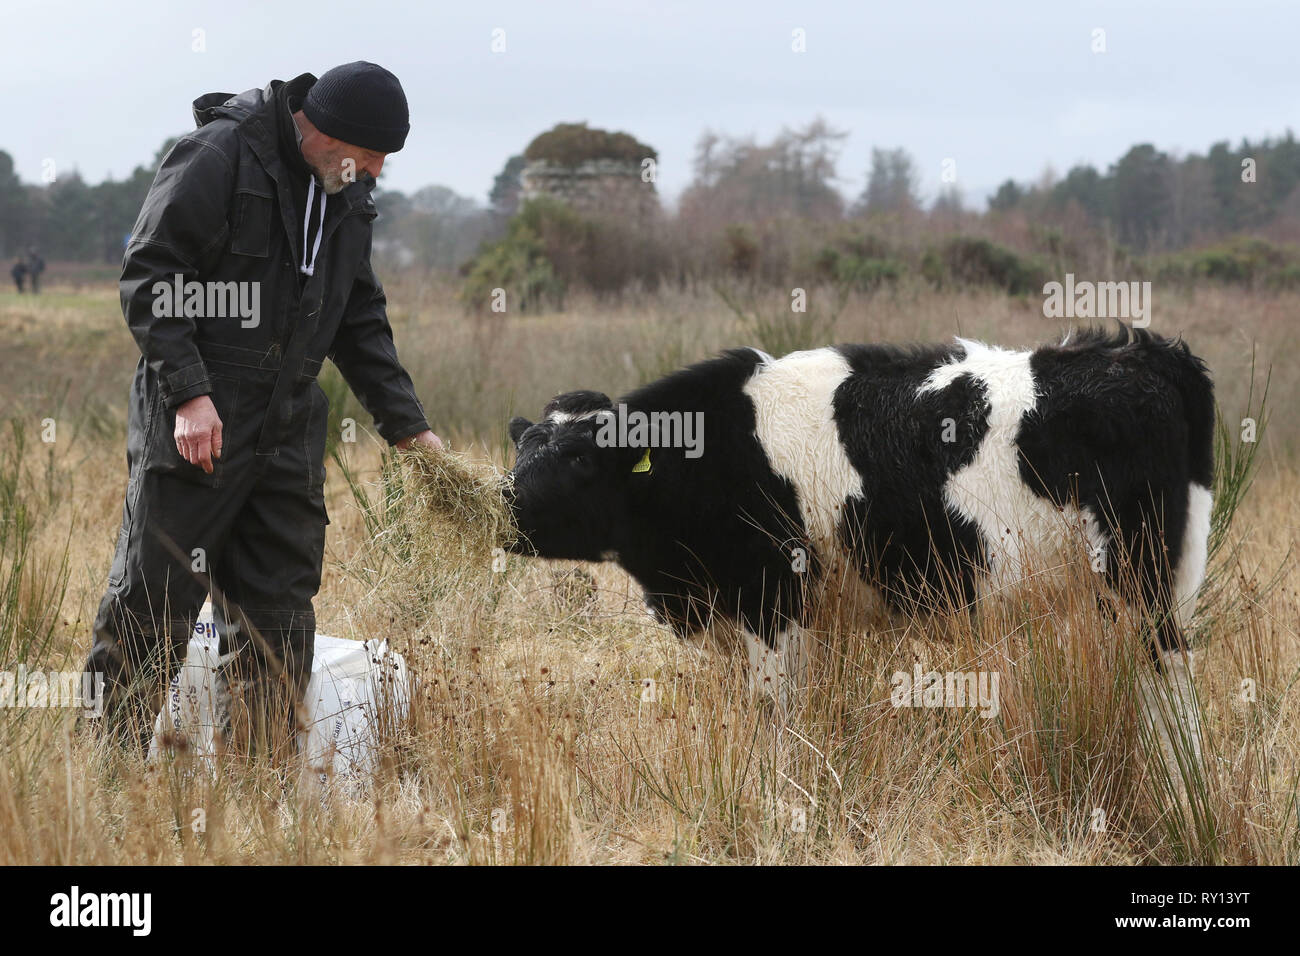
<point x="463" y="499"/>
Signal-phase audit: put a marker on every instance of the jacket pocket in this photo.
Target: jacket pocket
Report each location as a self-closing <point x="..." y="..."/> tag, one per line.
<point x="250" y="234"/>
<point x="161" y="454"/>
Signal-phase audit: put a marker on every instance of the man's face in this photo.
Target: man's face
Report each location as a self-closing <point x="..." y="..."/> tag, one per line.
<point x="336" y="163"/>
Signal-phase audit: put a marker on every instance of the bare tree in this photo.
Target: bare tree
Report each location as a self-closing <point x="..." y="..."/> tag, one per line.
<point x="892" y="183"/>
<point x="741" y="180"/>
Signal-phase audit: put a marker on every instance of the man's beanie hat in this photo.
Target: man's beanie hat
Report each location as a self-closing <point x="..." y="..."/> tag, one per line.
<point x="362" y="104"/>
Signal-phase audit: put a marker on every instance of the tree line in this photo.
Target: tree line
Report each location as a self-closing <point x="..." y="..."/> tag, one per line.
<point x="1146" y="201"/>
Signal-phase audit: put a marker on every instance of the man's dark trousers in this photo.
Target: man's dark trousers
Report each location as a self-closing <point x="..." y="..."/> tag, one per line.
<point x="253" y="532"/>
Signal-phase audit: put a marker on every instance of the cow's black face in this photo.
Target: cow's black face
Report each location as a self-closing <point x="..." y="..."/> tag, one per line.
<point x="568" y="491"/>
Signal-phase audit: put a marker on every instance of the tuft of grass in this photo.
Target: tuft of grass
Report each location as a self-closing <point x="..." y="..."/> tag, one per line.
<point x="32" y="582"/>
<point x="437" y="523"/>
<point x="783" y="331"/>
<point x="1222" y="597"/>
<point x="466" y="497"/>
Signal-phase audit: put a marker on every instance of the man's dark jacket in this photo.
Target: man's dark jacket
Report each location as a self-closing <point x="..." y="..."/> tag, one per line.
<point x="220" y="209"/>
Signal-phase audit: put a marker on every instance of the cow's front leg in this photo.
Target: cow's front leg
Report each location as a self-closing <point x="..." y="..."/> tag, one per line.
<point x="776" y="670"/>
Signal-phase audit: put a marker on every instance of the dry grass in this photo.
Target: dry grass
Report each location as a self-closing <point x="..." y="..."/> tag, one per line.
<point x="462" y="498"/>
<point x="537" y="737"/>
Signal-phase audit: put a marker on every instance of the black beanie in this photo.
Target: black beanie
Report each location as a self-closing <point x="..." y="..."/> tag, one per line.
<point x="361" y="104"/>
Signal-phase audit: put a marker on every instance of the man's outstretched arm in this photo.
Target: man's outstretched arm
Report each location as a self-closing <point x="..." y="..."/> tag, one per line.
<point x="365" y="353"/>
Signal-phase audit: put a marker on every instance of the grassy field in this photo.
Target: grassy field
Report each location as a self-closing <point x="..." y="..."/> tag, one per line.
<point x="534" y="741"/>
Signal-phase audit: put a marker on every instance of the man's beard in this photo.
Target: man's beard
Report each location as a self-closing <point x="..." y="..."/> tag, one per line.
<point x="331" y="177"/>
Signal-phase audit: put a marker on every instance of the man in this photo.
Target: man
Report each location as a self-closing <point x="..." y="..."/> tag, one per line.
<point x="248" y="266"/>
<point x="19" y="273"/>
<point x="35" y="266"/>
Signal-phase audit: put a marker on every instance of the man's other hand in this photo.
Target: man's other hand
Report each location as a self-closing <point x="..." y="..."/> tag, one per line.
<point x="198" y="432"/>
<point x="426" y="438"/>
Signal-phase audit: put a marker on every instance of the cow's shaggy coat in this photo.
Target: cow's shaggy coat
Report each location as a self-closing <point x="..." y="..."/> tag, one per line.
<point x="945" y="472"/>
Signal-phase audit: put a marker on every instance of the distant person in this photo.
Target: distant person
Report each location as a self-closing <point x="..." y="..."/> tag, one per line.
<point x="227" y="427"/>
<point x="35" y="266"/>
<point x="19" y="272"/>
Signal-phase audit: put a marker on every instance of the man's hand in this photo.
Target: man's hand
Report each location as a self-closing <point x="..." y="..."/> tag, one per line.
<point x="198" y="432"/>
<point x="426" y="438"/>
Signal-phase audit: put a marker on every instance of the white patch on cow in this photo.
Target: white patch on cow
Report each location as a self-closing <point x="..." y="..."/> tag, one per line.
<point x="794" y="416"/>
<point x="1191" y="561"/>
<point x="1019" y="528"/>
<point x="560" y="418"/>
<point x="1096" y="536"/>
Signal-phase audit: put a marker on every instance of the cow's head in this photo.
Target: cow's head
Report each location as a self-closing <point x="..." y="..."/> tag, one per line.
<point x="569" y="490"/>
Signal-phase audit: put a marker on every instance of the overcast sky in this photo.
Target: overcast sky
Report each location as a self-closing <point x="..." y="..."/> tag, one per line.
<point x="1003" y="89"/>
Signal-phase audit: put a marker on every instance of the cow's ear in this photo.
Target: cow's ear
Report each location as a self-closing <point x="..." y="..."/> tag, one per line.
<point x="643" y="465"/>
<point x="636" y="460"/>
<point x="518" y="425"/>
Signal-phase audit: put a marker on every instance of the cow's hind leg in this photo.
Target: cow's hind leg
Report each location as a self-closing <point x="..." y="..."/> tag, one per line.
<point x="1171" y="712"/>
<point x="1169" y="706"/>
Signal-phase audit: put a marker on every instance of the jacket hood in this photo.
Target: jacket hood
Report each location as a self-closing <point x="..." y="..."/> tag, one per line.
<point x="253" y="113"/>
<point x="235" y="106"/>
<point x="240" y="106"/>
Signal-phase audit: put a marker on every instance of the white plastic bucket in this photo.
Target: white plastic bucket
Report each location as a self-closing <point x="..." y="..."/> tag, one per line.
<point x="355" y="687"/>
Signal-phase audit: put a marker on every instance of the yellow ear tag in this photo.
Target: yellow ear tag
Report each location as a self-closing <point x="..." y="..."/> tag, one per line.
<point x="644" y="464"/>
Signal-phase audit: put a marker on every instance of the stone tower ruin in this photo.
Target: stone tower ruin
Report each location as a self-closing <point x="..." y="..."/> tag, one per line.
<point x="598" y="173"/>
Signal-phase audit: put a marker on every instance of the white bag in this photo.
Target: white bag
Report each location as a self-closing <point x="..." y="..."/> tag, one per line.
<point x="355" y="688"/>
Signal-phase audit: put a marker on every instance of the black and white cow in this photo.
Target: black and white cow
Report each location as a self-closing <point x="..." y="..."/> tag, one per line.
<point x="942" y="470"/>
